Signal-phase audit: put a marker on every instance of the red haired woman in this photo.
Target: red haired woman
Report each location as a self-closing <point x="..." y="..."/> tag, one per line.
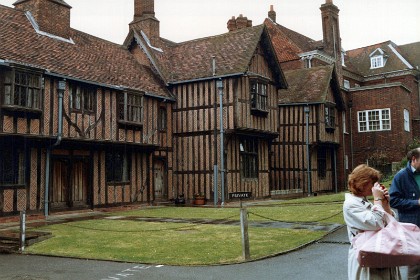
<point x="362" y="215"/>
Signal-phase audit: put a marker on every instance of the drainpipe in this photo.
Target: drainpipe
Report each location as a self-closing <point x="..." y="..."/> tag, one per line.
<point x="222" y="149"/>
<point x="308" y="157"/>
<point x="215" y="166"/>
<point x="61" y="88"/>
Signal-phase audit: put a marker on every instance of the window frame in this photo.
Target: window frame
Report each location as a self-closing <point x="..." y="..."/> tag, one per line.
<point x="258" y="91"/>
<point x="117" y="167"/>
<point x="84" y="96"/>
<point x="29" y="97"/>
<point x="369" y="124"/>
<point x="322" y="162"/>
<point x="162" y="119"/>
<point x="329" y="117"/>
<point x="248" y="150"/>
<point x="17" y="157"/>
<point x="376" y="61"/>
<point x="131" y="102"/>
<point x="406" y="120"/>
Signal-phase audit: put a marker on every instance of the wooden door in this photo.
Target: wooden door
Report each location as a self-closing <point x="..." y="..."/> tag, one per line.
<point x="60" y="184"/>
<point x="161" y="191"/>
<point x="79" y="183"/>
<point x="69" y="183"/>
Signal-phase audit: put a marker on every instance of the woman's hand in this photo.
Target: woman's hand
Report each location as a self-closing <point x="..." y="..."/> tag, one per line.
<point x="378" y="192"/>
<point x="381" y="196"/>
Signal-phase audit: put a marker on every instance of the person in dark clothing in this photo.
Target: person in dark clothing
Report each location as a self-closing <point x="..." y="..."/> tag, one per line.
<point x="405" y="197"/>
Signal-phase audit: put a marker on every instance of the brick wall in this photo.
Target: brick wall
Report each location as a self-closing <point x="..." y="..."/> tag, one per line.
<point x="392" y="142"/>
<point x="51" y="16"/>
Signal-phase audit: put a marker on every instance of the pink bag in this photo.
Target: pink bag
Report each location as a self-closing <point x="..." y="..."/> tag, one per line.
<point x="397" y="244"/>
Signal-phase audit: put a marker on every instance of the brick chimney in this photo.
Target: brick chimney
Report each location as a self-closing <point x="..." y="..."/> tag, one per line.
<point x="238" y="23"/>
<point x="272" y="13"/>
<point x="331" y="32"/>
<point x="144" y="19"/>
<point x="52" y="16"/>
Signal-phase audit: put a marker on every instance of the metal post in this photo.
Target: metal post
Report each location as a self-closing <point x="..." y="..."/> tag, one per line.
<point x="22" y="230"/>
<point x="215" y="194"/>
<point x="308" y="157"/>
<point x="222" y="156"/>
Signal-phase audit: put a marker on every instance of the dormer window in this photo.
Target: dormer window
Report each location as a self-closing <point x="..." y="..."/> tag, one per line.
<point x="376" y="62"/>
<point x="377" y="59"/>
<point x="21" y="90"/>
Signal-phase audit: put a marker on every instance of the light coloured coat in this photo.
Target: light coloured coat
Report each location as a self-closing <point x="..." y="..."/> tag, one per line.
<point x="361" y="215"/>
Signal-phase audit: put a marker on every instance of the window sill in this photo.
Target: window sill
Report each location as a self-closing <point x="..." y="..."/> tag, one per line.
<point x="130" y="125"/>
<point x="259" y="112"/>
<point x="12" y="186"/>
<point x="330" y="129"/>
<point x="117" y="183"/>
<point x="22" y="111"/>
<point x="80" y="111"/>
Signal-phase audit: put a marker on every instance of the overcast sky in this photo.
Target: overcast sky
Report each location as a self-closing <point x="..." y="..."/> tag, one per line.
<point x="362" y="22"/>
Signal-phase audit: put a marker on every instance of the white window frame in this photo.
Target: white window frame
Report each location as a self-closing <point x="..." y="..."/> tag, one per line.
<point x="344" y="122"/>
<point x="374" y="120"/>
<point x="346" y="84"/>
<point x="406" y="120"/>
<point x="376" y="61"/>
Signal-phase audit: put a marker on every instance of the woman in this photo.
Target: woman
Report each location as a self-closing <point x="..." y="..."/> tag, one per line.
<point x="361" y="215"/>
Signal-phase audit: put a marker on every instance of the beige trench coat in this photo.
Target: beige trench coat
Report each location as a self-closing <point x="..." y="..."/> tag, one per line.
<point x="361" y="215"/>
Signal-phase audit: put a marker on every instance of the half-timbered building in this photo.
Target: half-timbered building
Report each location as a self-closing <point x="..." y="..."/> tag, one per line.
<point x="82" y="124"/>
<point x="241" y="68"/>
<point x="311" y="152"/>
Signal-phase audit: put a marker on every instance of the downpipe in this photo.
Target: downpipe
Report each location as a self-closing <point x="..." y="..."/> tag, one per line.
<point x="61" y="88"/>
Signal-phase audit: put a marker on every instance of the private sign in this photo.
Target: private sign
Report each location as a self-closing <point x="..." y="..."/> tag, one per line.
<point x="240" y="195"/>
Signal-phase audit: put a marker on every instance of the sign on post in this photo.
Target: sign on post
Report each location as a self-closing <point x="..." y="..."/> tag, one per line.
<point x="240" y="195"/>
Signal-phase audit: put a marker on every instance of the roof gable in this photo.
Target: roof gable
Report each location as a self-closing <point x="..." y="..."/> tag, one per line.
<point x="395" y="60"/>
<point x="89" y="59"/>
<point x="311" y="85"/>
<point x="287" y="43"/>
<point x="232" y="53"/>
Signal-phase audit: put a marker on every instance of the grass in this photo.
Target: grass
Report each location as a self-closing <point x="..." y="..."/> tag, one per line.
<point x="187" y="243"/>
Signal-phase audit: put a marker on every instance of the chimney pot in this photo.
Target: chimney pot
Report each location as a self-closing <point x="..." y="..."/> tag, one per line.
<point x="272" y="13"/>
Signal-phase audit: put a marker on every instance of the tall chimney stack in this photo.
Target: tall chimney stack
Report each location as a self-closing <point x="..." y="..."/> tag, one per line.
<point x="144" y="19"/>
<point x="52" y="16"/>
<point x="272" y="13"/>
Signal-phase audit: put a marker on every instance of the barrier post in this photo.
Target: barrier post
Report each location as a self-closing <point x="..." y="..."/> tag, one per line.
<point x="244" y="232"/>
<point x="22" y="230"/>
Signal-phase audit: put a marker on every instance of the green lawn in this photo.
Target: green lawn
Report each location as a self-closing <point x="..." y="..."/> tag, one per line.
<point x="188" y="243"/>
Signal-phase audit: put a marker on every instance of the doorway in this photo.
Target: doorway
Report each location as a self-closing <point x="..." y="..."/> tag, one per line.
<point x="69" y="183"/>
<point x="159" y="175"/>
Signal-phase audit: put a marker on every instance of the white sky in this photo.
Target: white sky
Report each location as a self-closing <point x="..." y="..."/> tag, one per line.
<point x="362" y="22"/>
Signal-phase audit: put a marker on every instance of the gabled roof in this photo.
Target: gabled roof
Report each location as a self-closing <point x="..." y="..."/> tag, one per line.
<point x="397" y="58"/>
<point x="412" y="53"/>
<point x="288" y="43"/>
<point x="192" y="60"/>
<point x="89" y="59"/>
<point x="310" y="85"/>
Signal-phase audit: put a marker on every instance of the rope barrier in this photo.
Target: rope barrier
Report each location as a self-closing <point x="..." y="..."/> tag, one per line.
<point x="192" y="225"/>
<point x="274" y="220"/>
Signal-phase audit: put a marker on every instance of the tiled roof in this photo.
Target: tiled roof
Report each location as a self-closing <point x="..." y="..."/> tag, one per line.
<point x="192" y="60"/>
<point x="412" y="53"/>
<point x="359" y="59"/>
<point x="288" y="43"/>
<point x="89" y="58"/>
<point x="308" y="85"/>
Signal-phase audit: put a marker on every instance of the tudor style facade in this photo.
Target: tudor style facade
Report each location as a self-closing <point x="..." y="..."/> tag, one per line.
<point x="75" y="134"/>
<point x="86" y="123"/>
